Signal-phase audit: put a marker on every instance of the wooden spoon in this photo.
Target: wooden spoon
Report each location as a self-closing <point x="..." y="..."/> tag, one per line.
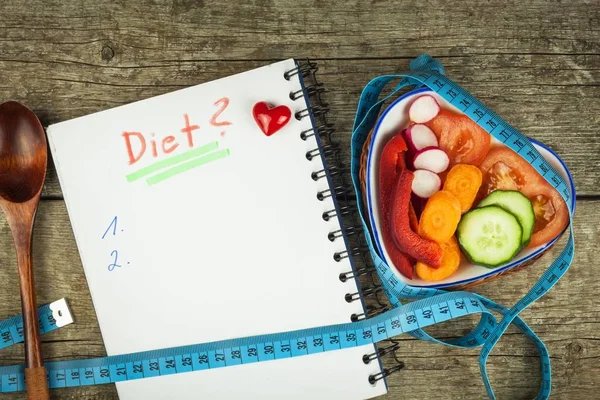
<point x="23" y="158"/>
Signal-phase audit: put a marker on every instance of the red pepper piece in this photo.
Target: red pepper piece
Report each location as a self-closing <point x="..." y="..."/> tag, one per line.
<point x="408" y="241"/>
<point x="390" y="166"/>
<point x="412" y="218"/>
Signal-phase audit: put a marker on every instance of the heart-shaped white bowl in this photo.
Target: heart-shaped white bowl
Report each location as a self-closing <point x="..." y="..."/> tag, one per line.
<point x="391" y="121"/>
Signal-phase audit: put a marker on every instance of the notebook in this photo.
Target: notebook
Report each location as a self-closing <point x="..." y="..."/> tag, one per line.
<point x="207" y="214"/>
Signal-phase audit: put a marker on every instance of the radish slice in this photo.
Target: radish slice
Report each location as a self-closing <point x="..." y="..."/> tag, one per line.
<point x="425" y="183"/>
<point x="423" y="109"/>
<point x="419" y="136"/>
<point x="432" y="158"/>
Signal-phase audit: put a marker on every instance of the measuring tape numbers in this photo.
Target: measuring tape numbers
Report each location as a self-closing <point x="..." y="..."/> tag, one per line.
<point x="51" y="317"/>
<point x="250" y="349"/>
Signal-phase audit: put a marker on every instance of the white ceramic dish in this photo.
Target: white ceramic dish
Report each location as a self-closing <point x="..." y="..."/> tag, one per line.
<point x="395" y="118"/>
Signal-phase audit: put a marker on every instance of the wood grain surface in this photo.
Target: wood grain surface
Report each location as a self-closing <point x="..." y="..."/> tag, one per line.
<point x="537" y="63"/>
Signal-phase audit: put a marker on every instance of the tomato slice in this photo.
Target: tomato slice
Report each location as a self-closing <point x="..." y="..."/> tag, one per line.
<point x="504" y="169"/>
<point x="460" y="137"/>
<point x="551" y="212"/>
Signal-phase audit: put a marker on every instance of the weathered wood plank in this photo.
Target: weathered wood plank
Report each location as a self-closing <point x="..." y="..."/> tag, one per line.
<point x="156" y="30"/>
<point x="566" y="319"/>
<point x="552" y="98"/>
<point x="537" y="63"/>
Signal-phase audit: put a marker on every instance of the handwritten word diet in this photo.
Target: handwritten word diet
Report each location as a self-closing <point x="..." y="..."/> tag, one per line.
<point x="140" y="146"/>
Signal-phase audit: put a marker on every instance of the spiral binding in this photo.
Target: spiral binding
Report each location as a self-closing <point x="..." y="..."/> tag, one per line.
<point x="370" y="289"/>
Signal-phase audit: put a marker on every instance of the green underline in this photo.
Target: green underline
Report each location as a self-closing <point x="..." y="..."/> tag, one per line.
<point x="140" y="173"/>
<point x="171" y="172"/>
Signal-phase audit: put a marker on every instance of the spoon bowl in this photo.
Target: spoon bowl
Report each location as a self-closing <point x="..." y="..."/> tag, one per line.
<point x="23" y="159"/>
<point x="23" y="154"/>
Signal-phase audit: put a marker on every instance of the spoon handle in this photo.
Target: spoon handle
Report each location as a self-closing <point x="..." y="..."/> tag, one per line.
<point x="31" y="327"/>
<point x="35" y="373"/>
<point x="37" y="384"/>
<point x="20" y="220"/>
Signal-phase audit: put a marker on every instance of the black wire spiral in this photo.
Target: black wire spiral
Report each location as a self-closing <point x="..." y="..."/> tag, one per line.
<point x="346" y="209"/>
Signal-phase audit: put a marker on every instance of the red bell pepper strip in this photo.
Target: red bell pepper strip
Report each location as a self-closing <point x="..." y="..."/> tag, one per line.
<point x="390" y="166"/>
<point x="408" y="241"/>
<point x="412" y="217"/>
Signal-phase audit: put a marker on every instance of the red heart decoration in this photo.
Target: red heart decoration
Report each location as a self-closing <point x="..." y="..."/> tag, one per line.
<point x="270" y="119"/>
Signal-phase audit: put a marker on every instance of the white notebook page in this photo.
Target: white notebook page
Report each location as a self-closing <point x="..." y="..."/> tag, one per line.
<point x="231" y="248"/>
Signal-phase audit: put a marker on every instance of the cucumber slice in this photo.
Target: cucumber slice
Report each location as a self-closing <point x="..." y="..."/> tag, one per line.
<point x="490" y="235"/>
<point x="516" y="203"/>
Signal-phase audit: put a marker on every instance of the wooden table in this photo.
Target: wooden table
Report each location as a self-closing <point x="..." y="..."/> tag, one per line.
<point x="537" y="63"/>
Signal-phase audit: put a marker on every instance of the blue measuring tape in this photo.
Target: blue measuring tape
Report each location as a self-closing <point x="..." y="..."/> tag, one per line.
<point x="251" y="349"/>
<point x="433" y="305"/>
<point x="51" y="317"/>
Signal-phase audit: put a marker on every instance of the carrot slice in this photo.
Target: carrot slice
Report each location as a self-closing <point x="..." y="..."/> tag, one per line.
<point x="463" y="181"/>
<point x="449" y="264"/>
<point x="440" y="217"/>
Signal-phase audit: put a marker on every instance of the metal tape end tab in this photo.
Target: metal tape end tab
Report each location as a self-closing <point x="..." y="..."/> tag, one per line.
<point x="61" y="312"/>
